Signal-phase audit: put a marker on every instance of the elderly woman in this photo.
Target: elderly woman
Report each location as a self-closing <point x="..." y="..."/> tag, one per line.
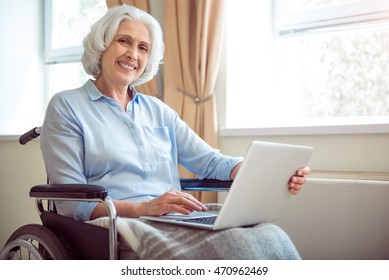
<point x="106" y="133"/>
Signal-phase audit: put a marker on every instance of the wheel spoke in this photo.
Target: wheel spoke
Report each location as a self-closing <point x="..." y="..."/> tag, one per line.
<point x="34" y="242"/>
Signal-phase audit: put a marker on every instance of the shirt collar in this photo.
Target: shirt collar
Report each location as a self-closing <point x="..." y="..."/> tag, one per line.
<point x="135" y="93"/>
<point x="95" y="94"/>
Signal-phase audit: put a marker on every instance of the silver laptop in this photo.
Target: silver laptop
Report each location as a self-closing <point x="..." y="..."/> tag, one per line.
<point x="259" y="192"/>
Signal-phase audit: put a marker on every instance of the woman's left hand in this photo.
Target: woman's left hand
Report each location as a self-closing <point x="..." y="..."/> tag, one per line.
<point x="298" y="180"/>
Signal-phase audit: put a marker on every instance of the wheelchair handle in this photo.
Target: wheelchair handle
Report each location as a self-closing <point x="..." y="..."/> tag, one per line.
<point x="30" y="135"/>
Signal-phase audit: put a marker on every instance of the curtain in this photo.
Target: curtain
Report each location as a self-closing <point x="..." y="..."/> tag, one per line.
<point x="193" y="35"/>
<point x="150" y="87"/>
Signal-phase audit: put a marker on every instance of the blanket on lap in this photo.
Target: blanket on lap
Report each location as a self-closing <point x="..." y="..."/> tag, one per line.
<point x="152" y="240"/>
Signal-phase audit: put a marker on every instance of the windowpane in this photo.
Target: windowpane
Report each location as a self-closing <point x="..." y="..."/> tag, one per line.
<point x="339" y="74"/>
<point x="71" y="20"/>
<point x="64" y="76"/>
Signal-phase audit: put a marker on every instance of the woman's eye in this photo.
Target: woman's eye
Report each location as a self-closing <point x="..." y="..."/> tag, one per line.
<point x="122" y="41"/>
<point x="144" y="48"/>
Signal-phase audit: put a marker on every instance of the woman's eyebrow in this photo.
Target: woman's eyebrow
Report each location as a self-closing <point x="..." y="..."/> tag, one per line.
<point x="130" y="37"/>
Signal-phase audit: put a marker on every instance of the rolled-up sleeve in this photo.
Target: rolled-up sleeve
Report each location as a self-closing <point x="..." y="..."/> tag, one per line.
<point x="198" y="157"/>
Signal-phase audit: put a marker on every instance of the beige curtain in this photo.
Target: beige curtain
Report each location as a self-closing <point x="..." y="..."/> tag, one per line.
<point x="193" y="35"/>
<point x="150" y="87"/>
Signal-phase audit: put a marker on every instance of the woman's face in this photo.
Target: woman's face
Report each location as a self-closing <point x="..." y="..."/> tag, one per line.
<point x="126" y="57"/>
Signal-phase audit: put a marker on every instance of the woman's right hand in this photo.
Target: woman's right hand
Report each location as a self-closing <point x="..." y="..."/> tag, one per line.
<point x="171" y="201"/>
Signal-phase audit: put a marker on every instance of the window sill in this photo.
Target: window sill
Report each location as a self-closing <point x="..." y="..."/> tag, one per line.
<point x="367" y="128"/>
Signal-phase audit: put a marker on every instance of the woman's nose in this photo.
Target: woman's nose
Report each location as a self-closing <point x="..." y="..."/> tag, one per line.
<point x="132" y="53"/>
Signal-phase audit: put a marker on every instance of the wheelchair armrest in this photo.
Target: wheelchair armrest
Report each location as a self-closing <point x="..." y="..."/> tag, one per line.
<point x="189" y="184"/>
<point x="84" y="191"/>
<point x="69" y="191"/>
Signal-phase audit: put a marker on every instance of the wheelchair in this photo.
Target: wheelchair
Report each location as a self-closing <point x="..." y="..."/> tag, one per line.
<point x="63" y="238"/>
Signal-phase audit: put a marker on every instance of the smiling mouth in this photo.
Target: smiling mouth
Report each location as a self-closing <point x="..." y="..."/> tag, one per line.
<point x="126" y="66"/>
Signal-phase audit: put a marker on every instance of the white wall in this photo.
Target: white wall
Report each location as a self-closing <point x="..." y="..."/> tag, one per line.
<point x="21" y="167"/>
<point x="337" y="221"/>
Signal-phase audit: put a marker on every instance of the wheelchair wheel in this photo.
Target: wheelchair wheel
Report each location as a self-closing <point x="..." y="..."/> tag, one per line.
<point x="34" y="242"/>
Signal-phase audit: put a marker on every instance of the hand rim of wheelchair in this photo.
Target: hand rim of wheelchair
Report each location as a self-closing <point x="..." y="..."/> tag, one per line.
<point x="38" y="241"/>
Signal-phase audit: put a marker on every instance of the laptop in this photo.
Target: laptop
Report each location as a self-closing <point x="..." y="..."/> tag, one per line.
<point x="259" y="192"/>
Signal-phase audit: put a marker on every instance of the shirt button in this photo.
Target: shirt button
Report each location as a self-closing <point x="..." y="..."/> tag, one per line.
<point x="132" y="125"/>
<point x="140" y="142"/>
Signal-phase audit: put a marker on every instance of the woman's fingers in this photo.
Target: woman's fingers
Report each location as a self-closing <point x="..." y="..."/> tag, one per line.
<point x="174" y="201"/>
<point x="303" y="171"/>
<point x="297" y="181"/>
<point x="192" y="201"/>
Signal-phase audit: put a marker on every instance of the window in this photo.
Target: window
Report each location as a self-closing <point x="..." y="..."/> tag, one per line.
<point x="67" y="23"/>
<point x="21" y="66"/>
<point x="35" y="71"/>
<point x="308" y="64"/>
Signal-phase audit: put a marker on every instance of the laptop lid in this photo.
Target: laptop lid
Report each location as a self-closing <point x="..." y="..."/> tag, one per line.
<point x="260" y="192"/>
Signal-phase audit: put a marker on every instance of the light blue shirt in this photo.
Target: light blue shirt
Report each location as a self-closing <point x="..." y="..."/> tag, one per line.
<point x="88" y="138"/>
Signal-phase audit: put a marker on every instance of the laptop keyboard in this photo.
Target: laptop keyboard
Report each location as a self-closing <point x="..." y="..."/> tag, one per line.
<point x="204" y="220"/>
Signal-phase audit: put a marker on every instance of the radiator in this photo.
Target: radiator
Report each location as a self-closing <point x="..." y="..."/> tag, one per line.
<point x="347" y="178"/>
<point x="347" y="182"/>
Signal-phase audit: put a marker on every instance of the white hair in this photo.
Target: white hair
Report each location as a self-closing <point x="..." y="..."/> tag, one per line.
<point x="103" y="32"/>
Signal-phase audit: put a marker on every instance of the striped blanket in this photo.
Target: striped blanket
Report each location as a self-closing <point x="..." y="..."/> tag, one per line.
<point x="152" y="240"/>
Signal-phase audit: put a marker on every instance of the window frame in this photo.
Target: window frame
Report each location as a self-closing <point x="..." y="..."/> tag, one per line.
<point x="286" y="25"/>
<point x="53" y="57"/>
<point x="60" y="55"/>
<point x="377" y="125"/>
<point x="364" y="11"/>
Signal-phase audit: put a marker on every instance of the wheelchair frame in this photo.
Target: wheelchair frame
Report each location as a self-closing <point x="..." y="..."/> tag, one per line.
<point x="57" y="239"/>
